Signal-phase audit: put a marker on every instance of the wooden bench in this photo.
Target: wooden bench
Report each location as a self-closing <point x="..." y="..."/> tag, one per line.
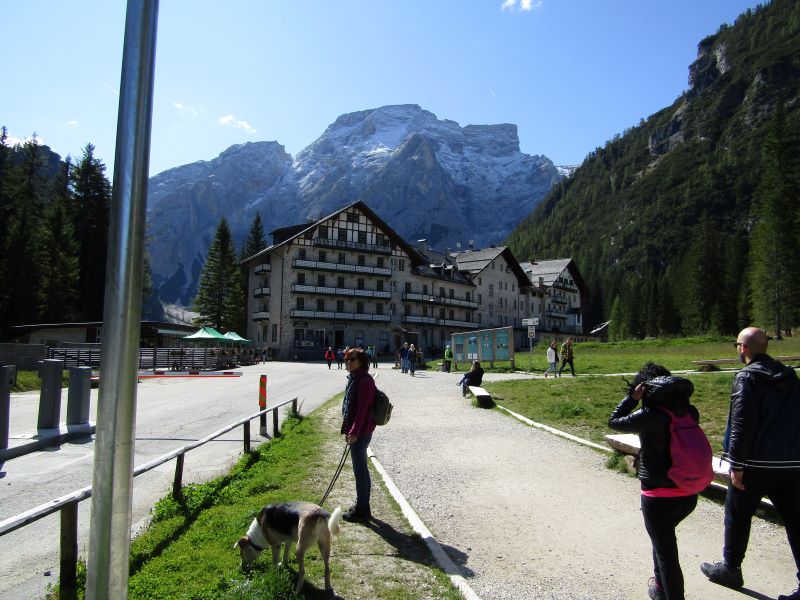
<point x="628" y="443"/>
<point x="713" y="362"/>
<point x="483" y="397"/>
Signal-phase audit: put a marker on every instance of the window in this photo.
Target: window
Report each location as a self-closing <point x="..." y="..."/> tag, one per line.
<point x="479" y="280"/>
<point x="380" y="262"/>
<point x="323" y="256"/>
<point x="492" y="264"/>
<point x="362" y="260"/>
<point x="452" y="293"/>
<point x="379" y="285"/>
<point x="380" y="239"/>
<point x="308" y="234"/>
<point x="424" y="311"/>
<point x="341" y="258"/>
<point x="301" y="278"/>
<point x="352" y="217"/>
<point x="512" y="288"/>
<point x="340" y="306"/>
<point x="406" y="309"/>
<point x="441" y="292"/>
<point x="379" y="309"/>
<point x="359" y="337"/>
<point x="301" y="254"/>
<point x="408" y="287"/>
<point x="274" y="332"/>
<point x="323" y="231"/>
<point x="425" y="288"/>
<point x="320" y="305"/>
<point x="362" y="237"/>
<point x="359" y="308"/>
<point x="441" y="313"/>
<point x="301" y="304"/>
<point x="320" y="280"/>
<point x="452" y="314"/>
<point x="360" y="283"/>
<point x="340" y="282"/>
<point x="402" y="266"/>
<point x="480" y="298"/>
<point x="341" y="234"/>
<point x="491" y="290"/>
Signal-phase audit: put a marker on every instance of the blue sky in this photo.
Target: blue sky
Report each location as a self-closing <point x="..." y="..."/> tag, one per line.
<point x="569" y="73"/>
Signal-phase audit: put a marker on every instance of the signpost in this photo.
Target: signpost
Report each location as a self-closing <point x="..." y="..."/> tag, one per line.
<point x="531" y="324"/>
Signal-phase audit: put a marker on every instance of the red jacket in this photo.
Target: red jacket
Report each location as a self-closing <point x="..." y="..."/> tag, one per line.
<point x="360" y="420"/>
<point x="329" y="355"/>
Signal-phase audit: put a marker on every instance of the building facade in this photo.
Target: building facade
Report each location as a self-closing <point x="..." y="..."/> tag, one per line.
<point x="562" y="287"/>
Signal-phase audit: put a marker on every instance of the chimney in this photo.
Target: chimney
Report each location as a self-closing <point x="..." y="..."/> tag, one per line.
<point x="423" y="244"/>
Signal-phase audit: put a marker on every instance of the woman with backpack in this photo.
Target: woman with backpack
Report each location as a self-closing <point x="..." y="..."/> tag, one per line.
<point x="357" y="427"/>
<point x="665" y="502"/>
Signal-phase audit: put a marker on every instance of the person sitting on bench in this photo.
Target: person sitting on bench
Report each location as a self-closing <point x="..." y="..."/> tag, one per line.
<point x="472" y="377"/>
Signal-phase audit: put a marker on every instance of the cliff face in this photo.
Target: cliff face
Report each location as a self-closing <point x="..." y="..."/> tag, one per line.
<point x="428" y="178"/>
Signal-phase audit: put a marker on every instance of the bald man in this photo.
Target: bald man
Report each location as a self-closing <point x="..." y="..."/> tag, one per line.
<point x="762" y="445"/>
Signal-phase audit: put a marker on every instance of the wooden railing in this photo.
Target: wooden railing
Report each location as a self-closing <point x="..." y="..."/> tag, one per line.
<point x="67" y="505"/>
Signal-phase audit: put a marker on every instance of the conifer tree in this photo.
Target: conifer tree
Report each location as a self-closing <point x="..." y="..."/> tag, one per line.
<point x="254" y="243"/>
<point x="220" y="299"/>
<point x="616" y="326"/>
<point x="91" y="205"/>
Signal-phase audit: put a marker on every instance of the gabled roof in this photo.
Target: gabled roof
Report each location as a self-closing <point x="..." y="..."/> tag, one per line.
<point x="475" y="261"/>
<point x="550" y="270"/>
<point x="441" y="266"/>
<point x="292" y="232"/>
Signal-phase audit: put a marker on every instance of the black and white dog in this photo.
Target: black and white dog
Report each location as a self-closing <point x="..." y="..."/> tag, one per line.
<point x="281" y="524"/>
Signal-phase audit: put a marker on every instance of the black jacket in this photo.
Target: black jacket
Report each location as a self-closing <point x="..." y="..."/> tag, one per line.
<point x="764" y="419"/>
<point x="652" y="425"/>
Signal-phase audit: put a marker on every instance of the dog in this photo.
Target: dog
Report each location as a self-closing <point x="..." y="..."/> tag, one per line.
<point x="284" y="523"/>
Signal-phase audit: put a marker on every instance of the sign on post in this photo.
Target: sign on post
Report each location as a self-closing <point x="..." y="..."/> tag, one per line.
<point x="534" y="321"/>
<point x="531" y="331"/>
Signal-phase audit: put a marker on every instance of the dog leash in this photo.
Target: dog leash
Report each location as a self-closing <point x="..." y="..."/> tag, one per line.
<point x="336" y="474"/>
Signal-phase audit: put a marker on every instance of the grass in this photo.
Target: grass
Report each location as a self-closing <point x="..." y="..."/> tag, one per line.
<point x="581" y="406"/>
<point x="28" y="381"/>
<point x="186" y="551"/>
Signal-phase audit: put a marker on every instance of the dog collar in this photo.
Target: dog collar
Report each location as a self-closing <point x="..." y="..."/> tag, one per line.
<point x="256" y="546"/>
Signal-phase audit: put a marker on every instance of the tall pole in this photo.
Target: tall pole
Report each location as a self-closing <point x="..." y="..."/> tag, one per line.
<point x="109" y="538"/>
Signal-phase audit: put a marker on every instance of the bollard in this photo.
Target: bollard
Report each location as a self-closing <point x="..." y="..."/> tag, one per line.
<point x="8" y="379"/>
<point x="50" y="395"/>
<point x="262" y="404"/>
<point x="80" y="385"/>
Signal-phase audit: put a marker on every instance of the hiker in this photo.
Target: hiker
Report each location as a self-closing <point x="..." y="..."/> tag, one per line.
<point x="340" y="357"/>
<point x="448" y="358"/>
<point x="404" y="358"/>
<point x="357" y="426"/>
<point x="552" y="360"/>
<point x="412" y="359"/>
<point x="329" y="356"/>
<point x="472" y="377"/>
<point x="762" y="445"/>
<point x="664" y="504"/>
<point x="567" y="356"/>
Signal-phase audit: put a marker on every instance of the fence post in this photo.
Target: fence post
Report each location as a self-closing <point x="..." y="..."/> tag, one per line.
<point x="246" y="437"/>
<point x="68" y="562"/>
<point x="294" y="406"/>
<point x="177" y="482"/>
<point x="274" y="422"/>
<point x="8" y="378"/>
<point x="262" y="404"/>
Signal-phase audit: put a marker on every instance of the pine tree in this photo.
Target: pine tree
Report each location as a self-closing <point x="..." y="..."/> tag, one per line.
<point x="775" y="264"/>
<point x="91" y="207"/>
<point x="220" y="299"/>
<point x="254" y="243"/>
<point x="615" y="327"/>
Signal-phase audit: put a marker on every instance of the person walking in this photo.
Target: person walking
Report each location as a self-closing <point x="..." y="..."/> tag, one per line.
<point x="329" y="356"/>
<point x="448" y="358"/>
<point x="375" y="356"/>
<point x="472" y="377"/>
<point x="404" y="358"/>
<point x="340" y="358"/>
<point x="552" y="360"/>
<point x="567" y="356"/>
<point x="663" y="503"/>
<point x="412" y="359"/>
<point x="762" y="445"/>
<point x="358" y="426"/>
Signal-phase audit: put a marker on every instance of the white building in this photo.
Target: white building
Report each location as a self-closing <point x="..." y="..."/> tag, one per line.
<point x="562" y="287"/>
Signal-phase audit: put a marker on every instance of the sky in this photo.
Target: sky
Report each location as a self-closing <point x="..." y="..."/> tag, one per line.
<point x="569" y="73"/>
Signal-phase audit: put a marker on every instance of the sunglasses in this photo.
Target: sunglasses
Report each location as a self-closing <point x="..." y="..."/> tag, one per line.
<point x="737" y="344"/>
<point x="352" y="360"/>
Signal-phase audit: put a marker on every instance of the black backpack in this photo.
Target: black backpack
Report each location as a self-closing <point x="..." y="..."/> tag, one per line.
<point x="382" y="410"/>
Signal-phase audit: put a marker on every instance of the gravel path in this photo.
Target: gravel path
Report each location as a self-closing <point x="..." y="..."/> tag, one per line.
<point x="529" y="515"/>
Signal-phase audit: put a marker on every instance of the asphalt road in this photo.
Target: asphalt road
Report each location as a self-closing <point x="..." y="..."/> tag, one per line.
<point x="170" y="413"/>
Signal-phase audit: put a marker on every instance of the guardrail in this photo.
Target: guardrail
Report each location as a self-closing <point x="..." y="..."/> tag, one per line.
<point x="68" y="503"/>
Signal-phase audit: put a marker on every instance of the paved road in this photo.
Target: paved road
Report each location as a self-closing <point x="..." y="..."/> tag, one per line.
<point x="170" y="413"/>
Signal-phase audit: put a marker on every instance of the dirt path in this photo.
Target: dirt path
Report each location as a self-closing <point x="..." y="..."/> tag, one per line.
<point x="529" y="515"/>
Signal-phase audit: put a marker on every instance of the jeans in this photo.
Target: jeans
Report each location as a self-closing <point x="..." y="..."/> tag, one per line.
<point x="783" y="488"/>
<point x="358" y="453"/>
<point x="661" y="517"/>
<point x="552" y="368"/>
<point x="404" y="365"/>
<point x="564" y="363"/>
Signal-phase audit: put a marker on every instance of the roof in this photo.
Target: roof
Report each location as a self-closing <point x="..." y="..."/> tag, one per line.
<point x="292" y="232"/>
<point x="550" y="270"/>
<point x="475" y="261"/>
<point x="439" y="265"/>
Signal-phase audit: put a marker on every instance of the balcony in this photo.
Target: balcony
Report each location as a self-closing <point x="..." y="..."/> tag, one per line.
<point x="356" y="246"/>
<point x="340" y="268"/>
<point x="261" y="316"/>
<point x="441" y="322"/>
<point x="262" y="268"/>
<point x="337" y="291"/>
<point x="416" y="297"/>
<point x="297" y="313"/>
<point x="261" y="292"/>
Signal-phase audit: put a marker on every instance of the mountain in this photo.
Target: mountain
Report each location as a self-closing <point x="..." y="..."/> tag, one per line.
<point x="428" y="178"/>
<point x="661" y="220"/>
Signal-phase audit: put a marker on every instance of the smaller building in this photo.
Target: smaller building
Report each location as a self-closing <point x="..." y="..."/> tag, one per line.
<point x="153" y="334"/>
<point x="562" y="287"/>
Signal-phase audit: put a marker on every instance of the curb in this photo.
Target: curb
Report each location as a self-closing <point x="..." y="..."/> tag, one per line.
<point x="45" y="438"/>
<point x="444" y="561"/>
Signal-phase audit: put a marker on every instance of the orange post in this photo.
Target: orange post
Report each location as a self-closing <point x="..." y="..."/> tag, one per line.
<point x="262" y="404"/>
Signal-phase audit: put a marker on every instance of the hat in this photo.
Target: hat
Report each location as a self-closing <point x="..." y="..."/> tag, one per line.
<point x="448" y="345"/>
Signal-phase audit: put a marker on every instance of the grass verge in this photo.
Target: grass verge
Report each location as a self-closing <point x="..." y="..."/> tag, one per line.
<point x="186" y="552"/>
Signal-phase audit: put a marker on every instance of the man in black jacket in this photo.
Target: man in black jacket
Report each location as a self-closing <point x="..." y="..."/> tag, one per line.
<point x="762" y="445"/>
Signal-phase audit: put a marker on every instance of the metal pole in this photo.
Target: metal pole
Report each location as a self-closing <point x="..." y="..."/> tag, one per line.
<point x="109" y="538"/>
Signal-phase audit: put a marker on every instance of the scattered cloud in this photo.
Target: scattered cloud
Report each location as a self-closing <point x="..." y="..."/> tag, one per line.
<point x="232" y="121"/>
<point x="491" y="91"/>
<point x="185" y="110"/>
<point x="12" y="140"/>
<point x="524" y="5"/>
<point x="72" y="123"/>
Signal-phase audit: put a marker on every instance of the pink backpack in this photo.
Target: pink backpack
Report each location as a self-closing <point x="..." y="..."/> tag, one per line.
<point x="691" y="469"/>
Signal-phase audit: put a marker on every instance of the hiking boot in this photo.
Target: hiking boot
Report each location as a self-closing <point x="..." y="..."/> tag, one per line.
<point x="654" y="590"/>
<point x="354" y="515"/>
<point x="795" y="595"/>
<point x="722" y="574"/>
